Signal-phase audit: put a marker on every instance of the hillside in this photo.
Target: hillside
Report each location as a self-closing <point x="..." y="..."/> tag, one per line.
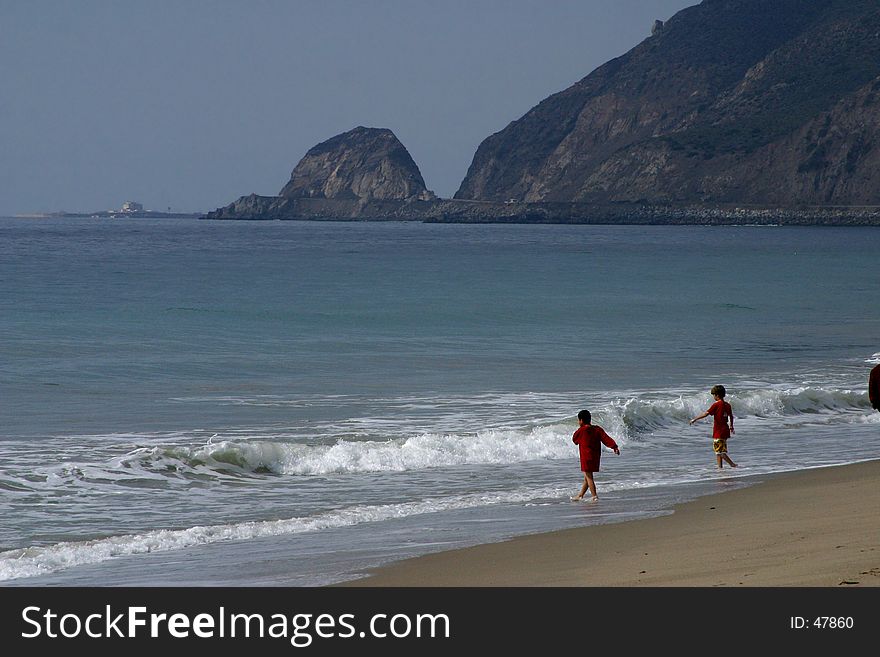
<point x="730" y="101"/>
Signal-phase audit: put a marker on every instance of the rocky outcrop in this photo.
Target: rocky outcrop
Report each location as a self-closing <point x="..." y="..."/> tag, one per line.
<point x="730" y="101"/>
<point x="363" y="164"/>
<point x="365" y="173"/>
<point x="277" y="207"/>
<point x="246" y="207"/>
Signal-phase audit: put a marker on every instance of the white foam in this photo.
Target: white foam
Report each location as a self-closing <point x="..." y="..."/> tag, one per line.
<point x="360" y="448"/>
<point x="34" y="561"/>
<point x="644" y="414"/>
<point x="395" y="455"/>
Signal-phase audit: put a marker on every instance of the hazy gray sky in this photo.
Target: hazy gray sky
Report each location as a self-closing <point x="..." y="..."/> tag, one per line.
<point x="191" y="104"/>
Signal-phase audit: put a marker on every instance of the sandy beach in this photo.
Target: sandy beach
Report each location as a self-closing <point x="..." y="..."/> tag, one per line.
<point x="819" y="527"/>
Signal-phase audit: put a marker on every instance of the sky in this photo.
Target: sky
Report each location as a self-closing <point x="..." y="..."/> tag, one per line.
<point x="187" y="105"/>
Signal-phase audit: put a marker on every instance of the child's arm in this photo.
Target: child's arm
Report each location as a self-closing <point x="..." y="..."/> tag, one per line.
<point x="700" y="417"/>
<point x="608" y="441"/>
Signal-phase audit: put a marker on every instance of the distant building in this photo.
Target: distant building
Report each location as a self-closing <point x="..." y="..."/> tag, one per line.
<point x="131" y="206"/>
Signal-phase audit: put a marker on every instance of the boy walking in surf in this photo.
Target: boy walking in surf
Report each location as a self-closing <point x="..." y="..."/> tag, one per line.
<point x="721" y="412"/>
<point x="589" y="438"/>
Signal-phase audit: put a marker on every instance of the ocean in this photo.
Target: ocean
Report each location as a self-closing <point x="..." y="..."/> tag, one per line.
<point x="200" y="403"/>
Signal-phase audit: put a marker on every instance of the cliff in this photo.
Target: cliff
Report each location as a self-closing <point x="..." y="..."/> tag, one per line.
<point x="729" y="101"/>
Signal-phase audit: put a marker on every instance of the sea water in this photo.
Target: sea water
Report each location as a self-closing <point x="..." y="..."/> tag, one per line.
<point x="197" y="402"/>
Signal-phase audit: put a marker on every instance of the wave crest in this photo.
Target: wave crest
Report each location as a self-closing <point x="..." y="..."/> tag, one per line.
<point x="636" y="416"/>
<point x="347" y="456"/>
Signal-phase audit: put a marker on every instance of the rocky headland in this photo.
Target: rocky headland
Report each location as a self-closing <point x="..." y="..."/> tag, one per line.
<point x="363" y="173"/>
<point x="732" y="111"/>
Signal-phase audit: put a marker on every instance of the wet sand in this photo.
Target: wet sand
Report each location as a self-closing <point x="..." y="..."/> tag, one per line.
<point x="818" y="527"/>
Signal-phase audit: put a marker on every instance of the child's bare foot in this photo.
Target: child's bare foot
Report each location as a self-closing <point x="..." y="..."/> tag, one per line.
<point x="594" y="499"/>
<point x="576" y="498"/>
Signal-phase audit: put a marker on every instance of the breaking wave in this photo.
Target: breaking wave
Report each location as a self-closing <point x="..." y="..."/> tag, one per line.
<point x="637" y="418"/>
<point x="639" y="415"/>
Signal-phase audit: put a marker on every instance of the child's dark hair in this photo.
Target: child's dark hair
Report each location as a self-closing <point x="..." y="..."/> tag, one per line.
<point x="718" y="390"/>
<point x="585" y="416"/>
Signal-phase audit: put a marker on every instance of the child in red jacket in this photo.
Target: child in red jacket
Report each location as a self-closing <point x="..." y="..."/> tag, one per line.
<point x="589" y="438"/>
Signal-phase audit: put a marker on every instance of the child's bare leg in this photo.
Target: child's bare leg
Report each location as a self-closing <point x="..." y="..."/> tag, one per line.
<point x="580" y="495"/>
<point x="588" y="476"/>
<point x="727" y="458"/>
<point x="718" y="461"/>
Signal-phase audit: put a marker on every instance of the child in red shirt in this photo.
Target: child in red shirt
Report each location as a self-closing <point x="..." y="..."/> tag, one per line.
<point x="721" y="412"/>
<point x="589" y="438"/>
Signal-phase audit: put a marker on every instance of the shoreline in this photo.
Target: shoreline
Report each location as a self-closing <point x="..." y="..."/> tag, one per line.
<point x="440" y="210"/>
<point x="816" y="527"/>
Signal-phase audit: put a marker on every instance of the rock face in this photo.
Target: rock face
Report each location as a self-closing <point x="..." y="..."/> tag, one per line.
<point x="729" y="101"/>
<point x="362" y="165"/>
<point x="365" y="173"/>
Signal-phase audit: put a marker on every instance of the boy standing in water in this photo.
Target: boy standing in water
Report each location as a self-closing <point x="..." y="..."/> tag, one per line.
<point x="589" y="438"/>
<point x="721" y="412"/>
